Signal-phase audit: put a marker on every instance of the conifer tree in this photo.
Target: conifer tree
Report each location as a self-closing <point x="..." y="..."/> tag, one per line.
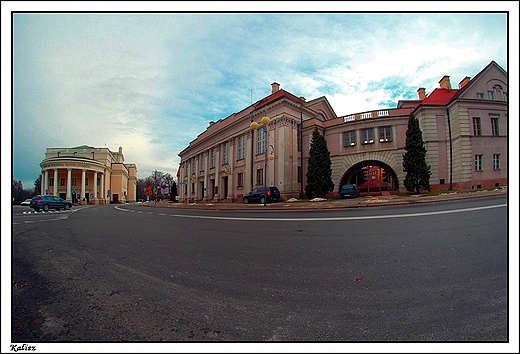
<point x="319" y="173"/>
<point x="414" y="159"/>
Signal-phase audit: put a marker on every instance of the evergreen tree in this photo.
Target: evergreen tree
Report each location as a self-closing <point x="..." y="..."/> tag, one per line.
<point x="38" y="184"/>
<point x="319" y="173"/>
<point x="414" y="159"/>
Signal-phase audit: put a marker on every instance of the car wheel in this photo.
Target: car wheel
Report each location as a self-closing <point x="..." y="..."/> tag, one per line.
<point x="46" y="207"/>
<point x="262" y="200"/>
<point x="67" y="206"/>
<point x="246" y="201"/>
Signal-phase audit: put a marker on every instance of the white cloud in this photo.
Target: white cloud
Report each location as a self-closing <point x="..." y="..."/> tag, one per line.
<point x="152" y="82"/>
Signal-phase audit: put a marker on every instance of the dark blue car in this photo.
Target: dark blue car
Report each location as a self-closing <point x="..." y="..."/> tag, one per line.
<point x="47" y="202"/>
<point x="349" y="191"/>
<point x="262" y="195"/>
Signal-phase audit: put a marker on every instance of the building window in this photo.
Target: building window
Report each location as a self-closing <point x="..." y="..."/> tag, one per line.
<point x="476" y="126"/>
<point x="478" y="162"/>
<point x="260" y="176"/>
<point x="496" y="161"/>
<point x="367" y="136"/>
<point x="240" y="180"/>
<point x="212" y="164"/>
<point x="225" y="153"/>
<point x="74" y="181"/>
<point x="51" y="182"/>
<point x="299" y="174"/>
<point x="202" y="162"/>
<point x="504" y="95"/>
<point x="442" y="181"/>
<point x="98" y="181"/>
<point x="349" y="138"/>
<point x="86" y="181"/>
<point x="480" y="95"/>
<point x="241" y="147"/>
<point x="385" y="134"/>
<point x="494" y="126"/>
<point x="491" y="95"/>
<point x="260" y="143"/>
<point x="62" y="182"/>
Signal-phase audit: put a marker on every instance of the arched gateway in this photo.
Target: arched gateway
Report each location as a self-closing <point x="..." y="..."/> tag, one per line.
<point x="371" y="176"/>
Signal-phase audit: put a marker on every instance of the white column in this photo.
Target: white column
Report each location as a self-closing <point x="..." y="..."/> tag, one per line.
<point x="56" y="190"/>
<point x="69" y="183"/>
<point x="217" y="173"/>
<point x="205" y="192"/>
<point x="83" y="191"/>
<point x="43" y="184"/>
<point x="95" y="185"/>
<point x="103" y="196"/>
<point x="231" y="177"/>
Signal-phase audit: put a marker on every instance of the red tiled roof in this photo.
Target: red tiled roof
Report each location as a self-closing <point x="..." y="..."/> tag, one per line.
<point x="440" y="97"/>
<point x="275" y="97"/>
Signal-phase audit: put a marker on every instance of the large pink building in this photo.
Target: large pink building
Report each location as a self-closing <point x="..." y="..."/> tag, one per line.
<point x="464" y="130"/>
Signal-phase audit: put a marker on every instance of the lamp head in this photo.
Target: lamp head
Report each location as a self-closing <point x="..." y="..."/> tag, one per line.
<point x="253" y="125"/>
<point x="265" y="120"/>
<point x="271" y="157"/>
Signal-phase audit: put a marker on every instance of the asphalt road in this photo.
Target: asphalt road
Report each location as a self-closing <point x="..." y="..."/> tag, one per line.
<point x="436" y="272"/>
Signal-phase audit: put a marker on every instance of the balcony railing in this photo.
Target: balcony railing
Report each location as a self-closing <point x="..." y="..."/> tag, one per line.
<point x="366" y="115"/>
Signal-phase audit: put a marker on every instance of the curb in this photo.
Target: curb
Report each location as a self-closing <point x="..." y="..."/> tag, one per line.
<point x="361" y="202"/>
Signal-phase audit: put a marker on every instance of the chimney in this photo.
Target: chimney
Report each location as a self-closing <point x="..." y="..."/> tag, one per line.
<point x="445" y="82"/>
<point x="464" y="82"/>
<point x="275" y="87"/>
<point x="422" y="94"/>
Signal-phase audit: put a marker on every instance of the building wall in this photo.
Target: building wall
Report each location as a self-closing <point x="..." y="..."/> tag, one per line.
<point x="446" y="127"/>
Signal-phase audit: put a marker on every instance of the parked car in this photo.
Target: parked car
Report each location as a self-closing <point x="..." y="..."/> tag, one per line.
<point x="26" y="202"/>
<point x="47" y="202"/>
<point x="262" y="195"/>
<point x="349" y="191"/>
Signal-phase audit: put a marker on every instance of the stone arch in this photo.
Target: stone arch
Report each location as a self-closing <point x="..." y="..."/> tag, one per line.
<point x="384" y="176"/>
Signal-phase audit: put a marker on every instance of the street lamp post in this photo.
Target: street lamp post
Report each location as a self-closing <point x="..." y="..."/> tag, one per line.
<point x="254" y="126"/>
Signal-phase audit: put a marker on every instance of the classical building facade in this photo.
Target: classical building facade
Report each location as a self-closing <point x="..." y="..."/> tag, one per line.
<point x="86" y="174"/>
<point x="464" y="129"/>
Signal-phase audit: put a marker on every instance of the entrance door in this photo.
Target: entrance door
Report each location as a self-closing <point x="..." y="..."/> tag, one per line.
<point x="87" y="197"/>
<point x="224" y="187"/>
<point x="115" y="198"/>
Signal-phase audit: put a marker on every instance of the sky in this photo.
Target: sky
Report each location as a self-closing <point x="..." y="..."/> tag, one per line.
<point x="151" y="82"/>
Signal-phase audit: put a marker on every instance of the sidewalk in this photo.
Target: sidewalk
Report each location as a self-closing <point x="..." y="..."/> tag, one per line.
<point x="318" y="203"/>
